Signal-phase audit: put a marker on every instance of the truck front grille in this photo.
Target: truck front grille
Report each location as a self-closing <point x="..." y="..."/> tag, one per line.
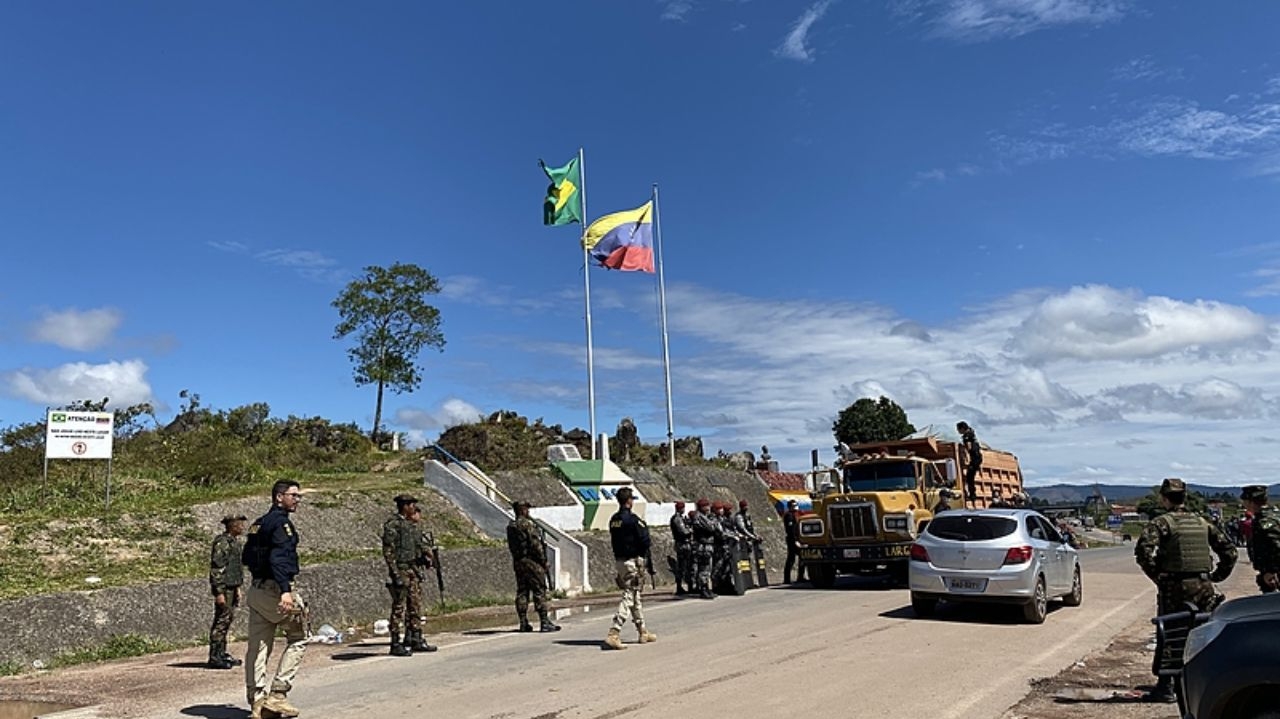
<point x="852" y="521"/>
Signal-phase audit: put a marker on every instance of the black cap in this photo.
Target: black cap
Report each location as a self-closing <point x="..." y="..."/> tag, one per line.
<point x="1254" y="493"/>
<point x="520" y="503"/>
<point x="405" y="499"/>
<point x="227" y="520"/>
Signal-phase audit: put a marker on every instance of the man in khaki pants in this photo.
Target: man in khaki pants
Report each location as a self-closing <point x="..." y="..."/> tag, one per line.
<point x="629" y="536"/>
<point x="271" y="554"/>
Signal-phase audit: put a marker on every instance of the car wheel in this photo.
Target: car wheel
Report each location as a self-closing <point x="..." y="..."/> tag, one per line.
<point x="1077" y="591"/>
<point x="922" y="605"/>
<point x="1037" y="609"/>
<point x="822" y="577"/>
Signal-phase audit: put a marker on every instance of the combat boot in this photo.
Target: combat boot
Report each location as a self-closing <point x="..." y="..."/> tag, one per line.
<point x="398" y="649"/>
<point x="218" y="657"/>
<point x="277" y="704"/>
<point x="707" y="594"/>
<point x="545" y="623"/>
<point x="1161" y="693"/>
<point x="418" y="644"/>
<point x="255" y="708"/>
<point x="525" y="626"/>
<point x="233" y="661"/>
<point x="646" y="636"/>
<point x="614" y="640"/>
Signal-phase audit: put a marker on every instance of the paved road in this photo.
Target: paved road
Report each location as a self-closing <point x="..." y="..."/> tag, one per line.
<point x="852" y="651"/>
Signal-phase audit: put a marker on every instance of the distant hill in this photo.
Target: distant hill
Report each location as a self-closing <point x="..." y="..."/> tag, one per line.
<point x="1075" y="493"/>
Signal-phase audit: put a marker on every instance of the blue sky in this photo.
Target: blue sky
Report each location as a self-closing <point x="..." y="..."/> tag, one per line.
<point x="1053" y="218"/>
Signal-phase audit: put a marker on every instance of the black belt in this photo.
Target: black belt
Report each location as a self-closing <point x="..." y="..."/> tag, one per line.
<point x="1184" y="575"/>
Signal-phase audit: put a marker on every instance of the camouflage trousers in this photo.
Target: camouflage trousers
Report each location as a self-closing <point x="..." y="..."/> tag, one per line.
<point x="531" y="583"/>
<point x="1172" y="595"/>
<point x="222" y="616"/>
<point x="703" y="558"/>
<point x="630" y="580"/>
<point x="406" y="602"/>
<point x="685" y="565"/>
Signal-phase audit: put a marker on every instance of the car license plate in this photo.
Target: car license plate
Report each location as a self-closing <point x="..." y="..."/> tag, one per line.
<point x="853" y="554"/>
<point x="963" y="584"/>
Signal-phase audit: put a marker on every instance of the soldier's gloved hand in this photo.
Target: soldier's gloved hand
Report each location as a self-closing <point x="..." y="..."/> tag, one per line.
<point x="396" y="581"/>
<point x="1217" y="578"/>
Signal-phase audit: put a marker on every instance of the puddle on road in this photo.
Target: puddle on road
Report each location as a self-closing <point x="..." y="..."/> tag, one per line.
<point x="467" y="623"/>
<point x="29" y="710"/>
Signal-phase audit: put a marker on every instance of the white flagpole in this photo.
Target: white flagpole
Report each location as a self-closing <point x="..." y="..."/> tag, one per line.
<point x="662" y="308"/>
<point x="586" y="284"/>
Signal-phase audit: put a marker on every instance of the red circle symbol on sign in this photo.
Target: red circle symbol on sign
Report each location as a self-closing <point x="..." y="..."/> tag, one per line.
<point x="79" y="448"/>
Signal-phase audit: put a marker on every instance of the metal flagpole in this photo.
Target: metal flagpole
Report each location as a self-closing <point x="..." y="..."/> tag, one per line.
<point x="586" y="284"/>
<point x="662" y="308"/>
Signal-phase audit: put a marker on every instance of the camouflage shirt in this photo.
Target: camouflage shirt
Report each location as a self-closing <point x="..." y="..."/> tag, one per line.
<point x="1161" y="537"/>
<point x="225" y="570"/>
<point x="1266" y="540"/>
<point x="524" y="540"/>
<point x="401" y="543"/>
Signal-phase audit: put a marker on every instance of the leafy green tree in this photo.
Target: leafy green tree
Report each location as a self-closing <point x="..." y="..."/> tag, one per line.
<point x="387" y="311"/>
<point x="1150" y="507"/>
<point x="869" y="420"/>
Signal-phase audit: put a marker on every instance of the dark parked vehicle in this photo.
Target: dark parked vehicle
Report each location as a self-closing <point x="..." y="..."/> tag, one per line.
<point x="1231" y="663"/>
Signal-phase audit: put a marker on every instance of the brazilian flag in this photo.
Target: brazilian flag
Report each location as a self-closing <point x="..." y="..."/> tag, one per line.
<point x="563" y="204"/>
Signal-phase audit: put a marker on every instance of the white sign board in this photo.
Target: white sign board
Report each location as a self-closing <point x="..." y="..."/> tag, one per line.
<point x="78" y="435"/>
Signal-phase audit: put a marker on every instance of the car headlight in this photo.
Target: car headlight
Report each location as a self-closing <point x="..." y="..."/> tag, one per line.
<point x="1200" y="637"/>
<point x="811" y="528"/>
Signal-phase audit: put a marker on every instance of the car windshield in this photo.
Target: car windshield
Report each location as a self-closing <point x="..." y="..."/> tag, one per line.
<point x="971" y="528"/>
<point x="881" y="476"/>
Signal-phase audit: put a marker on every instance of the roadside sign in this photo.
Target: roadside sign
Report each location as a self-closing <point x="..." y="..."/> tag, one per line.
<point x="1114" y="521"/>
<point x="78" y="435"/>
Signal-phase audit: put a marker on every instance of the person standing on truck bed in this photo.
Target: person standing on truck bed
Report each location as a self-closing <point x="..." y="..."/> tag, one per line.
<point x="1174" y="552"/>
<point x="973" y="460"/>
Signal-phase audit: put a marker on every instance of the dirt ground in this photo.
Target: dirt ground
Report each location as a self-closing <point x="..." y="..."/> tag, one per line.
<point x="1124" y="666"/>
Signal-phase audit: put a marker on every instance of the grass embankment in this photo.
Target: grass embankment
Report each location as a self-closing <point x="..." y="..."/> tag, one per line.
<point x="54" y="538"/>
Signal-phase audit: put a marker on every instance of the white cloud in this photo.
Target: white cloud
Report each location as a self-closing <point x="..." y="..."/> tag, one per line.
<point x="450" y="413"/>
<point x="124" y="382"/>
<point x="1096" y="323"/>
<point x="795" y="46"/>
<point x="675" y="10"/>
<point x="308" y="264"/>
<point x="1211" y="398"/>
<point x="1144" y="68"/>
<point x="77" y="330"/>
<point x="977" y="20"/>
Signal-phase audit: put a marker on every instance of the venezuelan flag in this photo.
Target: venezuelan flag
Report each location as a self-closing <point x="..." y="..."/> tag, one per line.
<point x="623" y="240"/>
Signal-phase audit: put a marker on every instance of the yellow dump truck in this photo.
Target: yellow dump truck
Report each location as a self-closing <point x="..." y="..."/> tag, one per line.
<point x="879" y="497"/>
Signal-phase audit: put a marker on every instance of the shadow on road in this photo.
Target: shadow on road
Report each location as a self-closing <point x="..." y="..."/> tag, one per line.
<point x="966" y="613"/>
<point x="490" y="632"/>
<point x="193" y="665"/>
<point x="215" y="711"/>
<point x="352" y="656"/>
<point x="845" y="583"/>
<point x="579" y="643"/>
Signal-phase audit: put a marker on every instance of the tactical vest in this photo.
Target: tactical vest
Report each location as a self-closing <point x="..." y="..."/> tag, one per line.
<point x="406" y="540"/>
<point x="1186" y="549"/>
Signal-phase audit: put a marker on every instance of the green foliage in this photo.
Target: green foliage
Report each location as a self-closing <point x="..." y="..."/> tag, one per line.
<point x="386" y="310"/>
<point x="1150" y="507"/>
<point x="117" y="647"/>
<point x="868" y="420"/>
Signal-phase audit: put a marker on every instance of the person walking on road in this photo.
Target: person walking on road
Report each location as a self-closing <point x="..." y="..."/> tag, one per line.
<point x="271" y="554"/>
<point x="1265" y="550"/>
<point x="791" y="525"/>
<point x="629" y="536"/>
<point x="529" y="559"/>
<point x="226" y="575"/>
<point x="1174" y="552"/>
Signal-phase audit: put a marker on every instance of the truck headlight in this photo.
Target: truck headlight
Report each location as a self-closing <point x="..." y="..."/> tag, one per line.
<point x="896" y="523"/>
<point x="811" y="528"/>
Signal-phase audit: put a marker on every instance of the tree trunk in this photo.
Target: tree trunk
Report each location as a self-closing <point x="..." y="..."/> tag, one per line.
<point x="377" y="414"/>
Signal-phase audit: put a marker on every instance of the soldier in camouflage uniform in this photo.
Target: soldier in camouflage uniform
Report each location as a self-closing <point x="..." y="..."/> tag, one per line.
<point x="1174" y="551"/>
<point x="1265" y="543"/>
<point x="226" y="575"/>
<point x="682" y="538"/>
<point x="706" y="530"/>
<point x="402" y="549"/>
<point x="529" y="559"/>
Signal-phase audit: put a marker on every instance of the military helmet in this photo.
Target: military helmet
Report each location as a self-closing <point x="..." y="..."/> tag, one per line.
<point x="405" y="499"/>
<point x="1173" y="485"/>
<point x="228" y="520"/>
<point x="1254" y="493"/>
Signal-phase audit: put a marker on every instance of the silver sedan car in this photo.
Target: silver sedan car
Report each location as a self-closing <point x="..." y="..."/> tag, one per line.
<point x="1012" y="556"/>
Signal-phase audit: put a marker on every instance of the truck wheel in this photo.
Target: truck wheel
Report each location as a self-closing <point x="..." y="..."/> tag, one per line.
<point x="1037" y="609"/>
<point x="922" y="605"/>
<point x="822" y="576"/>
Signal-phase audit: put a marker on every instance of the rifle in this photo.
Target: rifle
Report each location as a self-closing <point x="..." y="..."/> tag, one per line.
<point x="653" y="573"/>
<point x="430" y="541"/>
<point x="546" y="559"/>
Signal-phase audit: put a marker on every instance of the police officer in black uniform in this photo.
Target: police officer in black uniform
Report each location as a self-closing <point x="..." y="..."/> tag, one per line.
<point x="271" y="555"/>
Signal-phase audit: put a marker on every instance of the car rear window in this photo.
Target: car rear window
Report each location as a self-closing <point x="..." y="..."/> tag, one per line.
<point x="971" y="528"/>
